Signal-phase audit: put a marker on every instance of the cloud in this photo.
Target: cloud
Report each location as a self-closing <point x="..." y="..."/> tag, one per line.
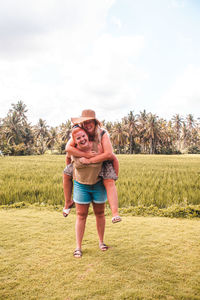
<point x="49" y="25"/>
<point x="116" y="21"/>
<point x="58" y="57"/>
<point x="108" y="79"/>
<point x="184" y="94"/>
<point x="177" y="3"/>
<point x="44" y="46"/>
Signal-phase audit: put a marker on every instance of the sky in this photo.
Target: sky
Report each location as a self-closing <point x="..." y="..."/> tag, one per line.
<point x="113" y="56"/>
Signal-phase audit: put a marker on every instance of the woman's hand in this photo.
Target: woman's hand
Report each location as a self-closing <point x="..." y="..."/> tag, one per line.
<point x="84" y="161"/>
<point x="90" y="154"/>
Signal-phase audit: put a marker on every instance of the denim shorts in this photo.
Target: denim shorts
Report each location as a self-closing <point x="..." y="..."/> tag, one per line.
<point x="87" y="193"/>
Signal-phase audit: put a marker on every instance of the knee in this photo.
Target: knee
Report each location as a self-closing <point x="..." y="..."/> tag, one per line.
<point x="100" y="213"/>
<point x="108" y="183"/>
<point x="81" y="215"/>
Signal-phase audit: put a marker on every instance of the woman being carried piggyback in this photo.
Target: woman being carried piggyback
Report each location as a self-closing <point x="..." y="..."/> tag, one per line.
<point x="110" y="168"/>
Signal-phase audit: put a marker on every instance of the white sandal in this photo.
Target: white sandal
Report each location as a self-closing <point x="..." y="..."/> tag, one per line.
<point x="66" y="211"/>
<point x="116" y="219"/>
<point x="77" y="253"/>
<point x="103" y="247"/>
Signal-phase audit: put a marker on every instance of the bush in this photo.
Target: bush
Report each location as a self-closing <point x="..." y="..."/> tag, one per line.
<point x="175" y="211"/>
<point x="193" y="150"/>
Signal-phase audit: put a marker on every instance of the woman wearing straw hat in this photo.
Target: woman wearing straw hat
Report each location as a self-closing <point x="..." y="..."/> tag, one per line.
<point x="88" y="188"/>
<point x="109" y="171"/>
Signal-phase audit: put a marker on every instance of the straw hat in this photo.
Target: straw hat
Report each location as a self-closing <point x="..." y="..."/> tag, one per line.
<point x="86" y="115"/>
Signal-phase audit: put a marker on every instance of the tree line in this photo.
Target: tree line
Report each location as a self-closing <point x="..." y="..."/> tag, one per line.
<point x="135" y="133"/>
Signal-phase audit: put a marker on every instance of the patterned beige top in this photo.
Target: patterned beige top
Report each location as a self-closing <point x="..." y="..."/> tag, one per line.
<point x="86" y="174"/>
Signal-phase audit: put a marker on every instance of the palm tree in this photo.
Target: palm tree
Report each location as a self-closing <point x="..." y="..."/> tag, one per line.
<point x="18" y="136"/>
<point x="12" y="128"/>
<point x="190" y="122"/>
<point x="142" y="128"/>
<point x="41" y="136"/>
<point x="52" y="138"/>
<point x="163" y="137"/>
<point x="64" y="134"/>
<point x="65" y="131"/>
<point x="177" y="122"/>
<point x="152" y="132"/>
<point x="191" y="128"/>
<point x="131" y="124"/>
<point x="108" y="126"/>
<point x="170" y="136"/>
<point x="184" y="135"/>
<point x="119" y="136"/>
<point x="20" y="109"/>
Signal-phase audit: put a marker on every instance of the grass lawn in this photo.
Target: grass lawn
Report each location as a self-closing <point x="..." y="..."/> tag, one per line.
<point x="149" y="258"/>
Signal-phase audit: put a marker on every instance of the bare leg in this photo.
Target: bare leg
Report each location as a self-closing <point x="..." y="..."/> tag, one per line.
<point x="115" y="163"/>
<point x="67" y="187"/>
<point x="112" y="195"/>
<point x="81" y="217"/>
<point x="100" y="220"/>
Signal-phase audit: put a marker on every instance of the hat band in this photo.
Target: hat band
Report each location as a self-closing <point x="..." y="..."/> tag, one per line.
<point x="76" y="126"/>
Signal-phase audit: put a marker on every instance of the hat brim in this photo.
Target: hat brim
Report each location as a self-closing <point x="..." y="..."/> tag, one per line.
<point x="83" y="119"/>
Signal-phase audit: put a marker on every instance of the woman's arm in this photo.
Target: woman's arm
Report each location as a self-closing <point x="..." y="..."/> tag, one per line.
<point x="106" y="155"/>
<point x="72" y="150"/>
<point x="67" y="159"/>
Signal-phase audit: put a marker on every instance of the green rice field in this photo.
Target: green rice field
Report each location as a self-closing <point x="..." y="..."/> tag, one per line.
<point x="144" y="180"/>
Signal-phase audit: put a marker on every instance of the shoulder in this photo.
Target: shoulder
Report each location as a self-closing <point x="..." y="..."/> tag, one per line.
<point x="105" y="137"/>
<point x="103" y="131"/>
<point x="101" y="134"/>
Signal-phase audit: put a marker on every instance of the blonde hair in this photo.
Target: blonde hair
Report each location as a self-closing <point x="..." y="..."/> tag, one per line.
<point x="97" y="134"/>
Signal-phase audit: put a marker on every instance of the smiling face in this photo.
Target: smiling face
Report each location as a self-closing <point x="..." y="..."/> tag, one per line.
<point x="89" y="126"/>
<point x="81" y="139"/>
